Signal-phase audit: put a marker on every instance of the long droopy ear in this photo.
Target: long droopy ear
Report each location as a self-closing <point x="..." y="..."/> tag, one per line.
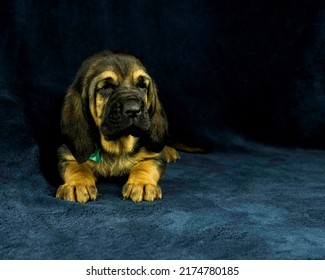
<point x="158" y="131"/>
<point x="77" y="126"/>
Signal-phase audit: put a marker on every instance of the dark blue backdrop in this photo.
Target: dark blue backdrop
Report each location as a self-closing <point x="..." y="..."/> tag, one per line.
<point x="234" y="76"/>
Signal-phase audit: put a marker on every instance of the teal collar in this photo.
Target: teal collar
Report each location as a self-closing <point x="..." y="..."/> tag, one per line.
<point x="96" y="156"/>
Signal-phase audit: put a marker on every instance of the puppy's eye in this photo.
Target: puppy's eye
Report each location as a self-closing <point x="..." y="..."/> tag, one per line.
<point x="108" y="84"/>
<point x="142" y="83"/>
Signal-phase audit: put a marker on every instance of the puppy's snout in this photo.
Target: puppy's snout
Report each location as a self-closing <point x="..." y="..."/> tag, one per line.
<point x="132" y="108"/>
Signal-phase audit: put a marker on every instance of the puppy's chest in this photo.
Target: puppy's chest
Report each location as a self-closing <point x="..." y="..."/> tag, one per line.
<point x="113" y="165"/>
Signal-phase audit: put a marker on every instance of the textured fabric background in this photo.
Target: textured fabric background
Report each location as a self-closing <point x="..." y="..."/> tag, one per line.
<point x="243" y="78"/>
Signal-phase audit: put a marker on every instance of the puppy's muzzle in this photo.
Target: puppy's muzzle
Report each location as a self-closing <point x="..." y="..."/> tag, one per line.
<point x="126" y="114"/>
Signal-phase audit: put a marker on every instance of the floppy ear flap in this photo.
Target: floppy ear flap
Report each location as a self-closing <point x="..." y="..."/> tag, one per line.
<point x="157" y="135"/>
<point x="77" y="126"/>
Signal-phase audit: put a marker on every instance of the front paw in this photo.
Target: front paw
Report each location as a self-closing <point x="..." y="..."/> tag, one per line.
<point x="141" y="191"/>
<point x="77" y="191"/>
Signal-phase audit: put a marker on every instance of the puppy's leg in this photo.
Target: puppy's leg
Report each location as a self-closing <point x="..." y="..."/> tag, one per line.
<point x="79" y="182"/>
<point x="143" y="181"/>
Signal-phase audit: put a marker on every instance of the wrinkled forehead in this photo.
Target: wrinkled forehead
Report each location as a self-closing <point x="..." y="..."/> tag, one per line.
<point x="122" y="70"/>
<point x="118" y="68"/>
<point x="122" y="65"/>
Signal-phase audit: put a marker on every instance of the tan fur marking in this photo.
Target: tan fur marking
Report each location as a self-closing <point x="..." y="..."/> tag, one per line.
<point x="107" y="74"/>
<point x="79" y="183"/>
<point x="104" y="75"/>
<point x="140" y="72"/>
<point x="143" y="182"/>
<point x="135" y="76"/>
<point x="100" y="103"/>
<point x="124" y="144"/>
<point x="96" y="83"/>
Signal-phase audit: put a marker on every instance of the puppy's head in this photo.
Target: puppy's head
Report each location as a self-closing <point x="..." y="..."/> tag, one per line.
<point x="112" y="96"/>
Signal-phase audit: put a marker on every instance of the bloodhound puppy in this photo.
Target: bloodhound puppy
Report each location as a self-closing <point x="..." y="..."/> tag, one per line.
<point x="113" y="124"/>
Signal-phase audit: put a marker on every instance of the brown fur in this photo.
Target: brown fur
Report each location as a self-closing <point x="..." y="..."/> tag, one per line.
<point x="88" y="123"/>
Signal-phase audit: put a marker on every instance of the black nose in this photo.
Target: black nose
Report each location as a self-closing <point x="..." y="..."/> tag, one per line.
<point x="132" y="108"/>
